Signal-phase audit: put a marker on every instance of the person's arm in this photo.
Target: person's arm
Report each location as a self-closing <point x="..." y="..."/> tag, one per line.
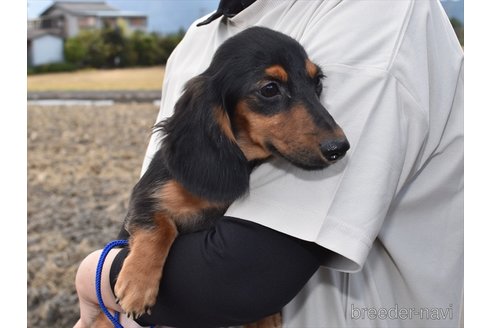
<point x="234" y="273"/>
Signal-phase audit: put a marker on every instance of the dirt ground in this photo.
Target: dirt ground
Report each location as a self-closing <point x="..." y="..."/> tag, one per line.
<point x="82" y="163"/>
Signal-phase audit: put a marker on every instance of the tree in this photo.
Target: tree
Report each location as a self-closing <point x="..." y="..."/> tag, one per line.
<point x="168" y="43"/>
<point x="116" y="39"/>
<point x="458" y="29"/>
<point x="87" y="49"/>
<point x="113" y="46"/>
<point x="75" y="51"/>
<point x="147" y="48"/>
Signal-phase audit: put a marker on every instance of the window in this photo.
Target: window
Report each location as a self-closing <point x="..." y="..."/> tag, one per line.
<point x="87" y="22"/>
<point x="137" y="21"/>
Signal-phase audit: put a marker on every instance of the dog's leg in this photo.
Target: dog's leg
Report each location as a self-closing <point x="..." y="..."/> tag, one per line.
<point x="138" y="282"/>
<point x="273" y="321"/>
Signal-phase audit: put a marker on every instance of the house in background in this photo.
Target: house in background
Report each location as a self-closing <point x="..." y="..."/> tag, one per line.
<point x="64" y="19"/>
<point x="43" y="47"/>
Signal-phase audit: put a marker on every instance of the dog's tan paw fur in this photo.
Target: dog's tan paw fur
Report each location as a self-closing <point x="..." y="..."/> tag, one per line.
<point x="273" y="321"/>
<point x="137" y="287"/>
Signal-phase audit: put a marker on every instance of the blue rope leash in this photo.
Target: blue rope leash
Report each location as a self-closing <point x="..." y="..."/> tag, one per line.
<point x="116" y="318"/>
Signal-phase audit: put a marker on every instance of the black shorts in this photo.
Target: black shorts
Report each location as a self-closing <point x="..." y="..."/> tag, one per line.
<point x="231" y="274"/>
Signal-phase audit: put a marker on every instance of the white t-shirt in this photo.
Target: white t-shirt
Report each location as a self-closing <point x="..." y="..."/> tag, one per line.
<point x="390" y="214"/>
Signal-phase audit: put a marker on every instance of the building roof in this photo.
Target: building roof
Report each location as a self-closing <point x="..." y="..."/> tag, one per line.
<point x="113" y="13"/>
<point x="89" y="8"/>
<point x="36" y="33"/>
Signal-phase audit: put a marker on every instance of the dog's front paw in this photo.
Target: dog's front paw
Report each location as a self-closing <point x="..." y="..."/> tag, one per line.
<point x="136" y="288"/>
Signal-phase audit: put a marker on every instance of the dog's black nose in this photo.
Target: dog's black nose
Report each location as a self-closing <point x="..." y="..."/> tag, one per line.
<point x="335" y="149"/>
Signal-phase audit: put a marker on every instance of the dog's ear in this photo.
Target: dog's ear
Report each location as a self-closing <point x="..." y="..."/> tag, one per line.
<point x="200" y="149"/>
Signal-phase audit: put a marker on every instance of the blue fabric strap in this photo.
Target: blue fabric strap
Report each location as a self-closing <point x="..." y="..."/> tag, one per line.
<point x="115" y="243"/>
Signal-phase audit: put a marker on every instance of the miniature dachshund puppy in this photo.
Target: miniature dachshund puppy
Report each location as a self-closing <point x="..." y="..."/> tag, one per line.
<point x="258" y="99"/>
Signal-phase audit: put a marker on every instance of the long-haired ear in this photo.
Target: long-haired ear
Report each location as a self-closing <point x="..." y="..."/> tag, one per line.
<point x="200" y="148"/>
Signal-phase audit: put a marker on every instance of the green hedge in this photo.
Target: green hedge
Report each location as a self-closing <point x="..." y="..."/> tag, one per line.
<point x="114" y="47"/>
<point x="52" y="68"/>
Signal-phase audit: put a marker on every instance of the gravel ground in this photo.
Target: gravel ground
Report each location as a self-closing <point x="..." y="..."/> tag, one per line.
<point x="82" y="163"/>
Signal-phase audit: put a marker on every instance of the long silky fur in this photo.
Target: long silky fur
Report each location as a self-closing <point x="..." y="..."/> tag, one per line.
<point x="195" y="149"/>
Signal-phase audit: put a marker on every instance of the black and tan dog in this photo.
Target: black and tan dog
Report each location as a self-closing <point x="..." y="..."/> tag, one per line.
<point x="258" y="98"/>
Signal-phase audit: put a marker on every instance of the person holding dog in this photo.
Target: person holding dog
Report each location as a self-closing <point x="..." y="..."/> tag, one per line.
<point x="373" y="240"/>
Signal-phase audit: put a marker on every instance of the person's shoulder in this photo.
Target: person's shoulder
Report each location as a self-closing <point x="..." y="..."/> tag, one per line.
<point x="357" y="33"/>
<point x="428" y="24"/>
<point x="427" y="51"/>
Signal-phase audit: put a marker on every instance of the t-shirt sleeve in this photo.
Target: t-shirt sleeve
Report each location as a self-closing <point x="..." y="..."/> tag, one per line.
<point x="343" y="206"/>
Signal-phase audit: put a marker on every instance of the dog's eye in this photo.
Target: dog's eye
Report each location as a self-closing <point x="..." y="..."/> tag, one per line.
<point x="270" y="90"/>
